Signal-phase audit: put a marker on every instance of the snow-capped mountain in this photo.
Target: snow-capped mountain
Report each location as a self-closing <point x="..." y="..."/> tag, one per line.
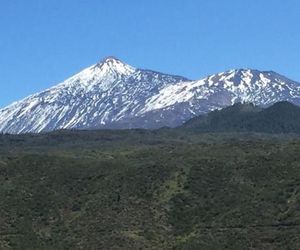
<point x="112" y="94"/>
<point x="179" y="102"/>
<point x="98" y="96"/>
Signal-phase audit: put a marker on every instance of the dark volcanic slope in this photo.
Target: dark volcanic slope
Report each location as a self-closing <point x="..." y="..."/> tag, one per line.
<point x="282" y="117"/>
<point x="149" y="190"/>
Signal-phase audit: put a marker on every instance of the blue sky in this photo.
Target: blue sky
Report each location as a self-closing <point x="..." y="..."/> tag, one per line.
<point x="44" y="42"/>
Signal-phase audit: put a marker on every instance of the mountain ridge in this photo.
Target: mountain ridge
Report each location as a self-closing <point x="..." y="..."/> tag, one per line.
<point x="113" y="94"/>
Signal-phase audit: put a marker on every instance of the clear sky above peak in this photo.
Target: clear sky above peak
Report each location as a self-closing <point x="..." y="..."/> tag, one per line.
<point x="45" y="42"/>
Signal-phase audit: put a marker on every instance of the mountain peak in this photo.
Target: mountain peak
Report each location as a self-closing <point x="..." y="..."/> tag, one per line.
<point x="112" y="64"/>
<point x="113" y="94"/>
<point x="110" y="59"/>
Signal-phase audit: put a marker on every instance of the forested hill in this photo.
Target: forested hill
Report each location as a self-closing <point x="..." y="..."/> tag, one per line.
<point x="282" y="117"/>
<point x="141" y="189"/>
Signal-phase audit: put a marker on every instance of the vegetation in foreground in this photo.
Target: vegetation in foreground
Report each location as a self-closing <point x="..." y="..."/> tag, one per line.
<point x="166" y="189"/>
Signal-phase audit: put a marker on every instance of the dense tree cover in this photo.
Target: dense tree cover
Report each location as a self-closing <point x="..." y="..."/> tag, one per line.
<point x="138" y="189"/>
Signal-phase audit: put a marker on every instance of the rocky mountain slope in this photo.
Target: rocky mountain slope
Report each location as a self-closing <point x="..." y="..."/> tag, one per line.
<point x="112" y="94"/>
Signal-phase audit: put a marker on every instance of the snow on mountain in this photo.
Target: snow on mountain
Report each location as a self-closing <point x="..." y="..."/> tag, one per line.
<point x="112" y="94"/>
<point x="221" y="90"/>
<point x="97" y="96"/>
<point x="262" y="88"/>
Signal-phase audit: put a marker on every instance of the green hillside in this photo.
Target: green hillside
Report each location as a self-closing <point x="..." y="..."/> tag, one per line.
<point x="165" y="189"/>
<point x="282" y="117"/>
